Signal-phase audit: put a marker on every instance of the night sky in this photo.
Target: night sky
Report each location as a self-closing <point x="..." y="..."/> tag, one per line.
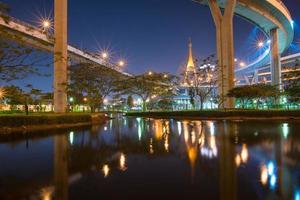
<point x="148" y="34"/>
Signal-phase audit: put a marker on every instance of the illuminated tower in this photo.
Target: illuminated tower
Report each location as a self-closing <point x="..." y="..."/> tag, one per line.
<point x="190" y="70"/>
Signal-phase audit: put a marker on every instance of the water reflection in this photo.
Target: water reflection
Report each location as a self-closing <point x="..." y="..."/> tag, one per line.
<point x="212" y="160"/>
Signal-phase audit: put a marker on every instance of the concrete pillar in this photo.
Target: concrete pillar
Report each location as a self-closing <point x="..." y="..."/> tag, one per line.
<point x="60" y="55"/>
<point x="275" y="59"/>
<point x="61" y="167"/>
<point x="225" y="49"/>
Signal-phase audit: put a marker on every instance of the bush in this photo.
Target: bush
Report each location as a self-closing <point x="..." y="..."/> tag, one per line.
<point x="19" y="120"/>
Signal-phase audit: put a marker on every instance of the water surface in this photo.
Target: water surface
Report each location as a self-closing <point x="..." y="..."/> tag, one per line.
<point x="138" y="158"/>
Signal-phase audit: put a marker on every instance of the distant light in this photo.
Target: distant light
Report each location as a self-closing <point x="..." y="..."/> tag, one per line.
<point x="105" y="170"/>
<point x="105" y="128"/>
<point x="105" y="101"/>
<point x="235" y="60"/>
<point x="71" y="99"/>
<point x="166" y="76"/>
<point x="271" y="168"/>
<point x="269" y="41"/>
<point x="104" y="55"/>
<point x="122" y="162"/>
<point x="242" y="64"/>
<point x="273" y="181"/>
<point x="260" y="44"/>
<point x="150" y="73"/>
<point x="285" y="130"/>
<point x="46" y="24"/>
<point x="264" y="175"/>
<point x="292" y="23"/>
<point x="71" y="137"/>
<point x="297" y="195"/>
<point x="121" y="63"/>
<point x="85" y="99"/>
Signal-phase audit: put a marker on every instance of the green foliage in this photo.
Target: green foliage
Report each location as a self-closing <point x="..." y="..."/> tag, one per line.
<point x="254" y="93"/>
<point x="130" y="103"/>
<point x="50" y="119"/>
<point x="93" y="83"/>
<point x="149" y="86"/>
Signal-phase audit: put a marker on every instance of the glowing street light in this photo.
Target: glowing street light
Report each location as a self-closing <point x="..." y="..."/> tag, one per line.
<point x="85" y="99"/>
<point x="104" y="55"/>
<point x="166" y="76"/>
<point x="150" y="73"/>
<point x="46" y="24"/>
<point x="121" y="63"/>
<point x="242" y="64"/>
<point x="71" y="99"/>
<point x="235" y="60"/>
<point x="260" y="44"/>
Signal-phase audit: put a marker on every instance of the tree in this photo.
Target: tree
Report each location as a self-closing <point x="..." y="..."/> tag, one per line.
<point x="16" y="59"/>
<point x="256" y="94"/>
<point x="292" y="88"/>
<point x="149" y="86"/>
<point x="92" y="83"/>
<point x="16" y="96"/>
<point x="130" y="103"/>
<point x="204" y="81"/>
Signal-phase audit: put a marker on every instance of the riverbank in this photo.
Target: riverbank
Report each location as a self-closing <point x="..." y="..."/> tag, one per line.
<point x="42" y="122"/>
<point x="222" y="115"/>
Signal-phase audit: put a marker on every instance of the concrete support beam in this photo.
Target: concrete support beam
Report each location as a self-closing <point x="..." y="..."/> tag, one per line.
<point x="60" y="55"/>
<point x="225" y="49"/>
<point x="275" y="59"/>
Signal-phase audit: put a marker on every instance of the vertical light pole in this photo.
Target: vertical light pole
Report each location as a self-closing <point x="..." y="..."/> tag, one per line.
<point x="60" y="55"/>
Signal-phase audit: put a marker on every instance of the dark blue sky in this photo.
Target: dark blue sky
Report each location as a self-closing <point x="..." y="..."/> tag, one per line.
<point x="149" y="34"/>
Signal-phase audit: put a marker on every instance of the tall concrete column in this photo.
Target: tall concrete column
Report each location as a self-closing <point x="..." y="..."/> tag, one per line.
<point x="275" y="59"/>
<point x="60" y="55"/>
<point x="225" y="49"/>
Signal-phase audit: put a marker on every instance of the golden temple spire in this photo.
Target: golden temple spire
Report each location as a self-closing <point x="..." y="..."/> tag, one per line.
<point x="190" y="64"/>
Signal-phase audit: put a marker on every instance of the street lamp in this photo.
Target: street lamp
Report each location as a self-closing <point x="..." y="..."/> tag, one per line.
<point x="85" y="99"/>
<point x="150" y="73"/>
<point x="104" y="55"/>
<point x="121" y="63"/>
<point x="71" y="99"/>
<point x="166" y="76"/>
<point x="260" y="44"/>
<point x="46" y="24"/>
<point x="242" y="64"/>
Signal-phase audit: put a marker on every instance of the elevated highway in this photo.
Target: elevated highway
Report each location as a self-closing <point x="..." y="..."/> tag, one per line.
<point x="44" y="41"/>
<point x="271" y="16"/>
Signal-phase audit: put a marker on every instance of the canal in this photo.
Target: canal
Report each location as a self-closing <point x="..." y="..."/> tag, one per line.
<point x="138" y="158"/>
